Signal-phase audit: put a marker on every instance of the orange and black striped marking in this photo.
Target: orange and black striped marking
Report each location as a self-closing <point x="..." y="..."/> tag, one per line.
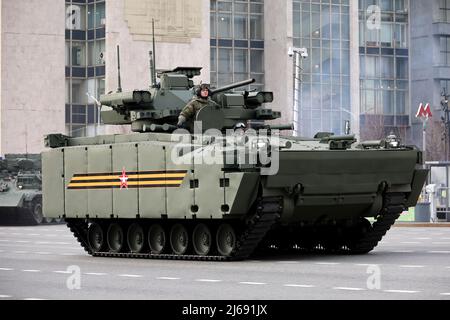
<point x="142" y="179"/>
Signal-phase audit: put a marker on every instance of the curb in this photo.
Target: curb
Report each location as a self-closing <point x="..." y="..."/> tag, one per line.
<point x="422" y="225"/>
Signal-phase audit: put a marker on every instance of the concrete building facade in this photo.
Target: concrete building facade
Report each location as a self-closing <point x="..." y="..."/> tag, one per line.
<point x="430" y="65"/>
<point x="31" y="73"/>
<point x="95" y="28"/>
<point x="366" y="58"/>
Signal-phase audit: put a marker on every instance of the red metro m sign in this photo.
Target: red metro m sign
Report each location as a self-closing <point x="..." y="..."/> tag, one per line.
<point x="424" y="112"/>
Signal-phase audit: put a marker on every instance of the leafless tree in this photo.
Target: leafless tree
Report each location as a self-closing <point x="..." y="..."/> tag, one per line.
<point x="435" y="141"/>
<point x="374" y="127"/>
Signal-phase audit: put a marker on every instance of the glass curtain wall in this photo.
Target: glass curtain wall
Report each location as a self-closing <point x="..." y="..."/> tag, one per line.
<point x="85" y="64"/>
<point x="323" y="27"/>
<point x="237" y="42"/>
<point x="384" y="65"/>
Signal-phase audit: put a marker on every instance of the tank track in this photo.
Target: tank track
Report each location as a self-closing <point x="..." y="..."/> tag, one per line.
<point x="394" y="205"/>
<point x="358" y="238"/>
<point x="268" y="211"/>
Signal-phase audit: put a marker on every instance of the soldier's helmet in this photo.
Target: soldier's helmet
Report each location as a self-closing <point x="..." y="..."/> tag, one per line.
<point x="201" y="88"/>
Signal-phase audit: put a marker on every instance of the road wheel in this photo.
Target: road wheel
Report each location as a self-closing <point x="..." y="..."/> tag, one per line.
<point x="156" y="239"/>
<point x="179" y="239"/>
<point x="201" y="239"/>
<point x="95" y="237"/>
<point x="226" y="239"/>
<point x="135" y="238"/>
<point x="115" y="238"/>
<point x="36" y="211"/>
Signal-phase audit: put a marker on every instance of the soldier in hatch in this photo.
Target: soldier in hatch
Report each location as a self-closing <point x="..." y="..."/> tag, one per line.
<point x="198" y="102"/>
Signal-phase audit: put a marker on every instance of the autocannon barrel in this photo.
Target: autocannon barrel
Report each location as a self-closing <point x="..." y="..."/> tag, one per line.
<point x="282" y="127"/>
<point x="233" y="86"/>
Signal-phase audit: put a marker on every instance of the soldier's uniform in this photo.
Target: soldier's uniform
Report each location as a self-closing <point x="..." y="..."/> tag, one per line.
<point x="194" y="106"/>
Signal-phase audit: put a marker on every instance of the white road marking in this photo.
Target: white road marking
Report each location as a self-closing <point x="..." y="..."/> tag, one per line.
<point x="422" y="238"/>
<point x="348" y="289"/>
<point x="327" y="263"/>
<point x="402" y="251"/>
<point x="130" y="275"/>
<point x="208" y="280"/>
<point x="43" y="253"/>
<point x="34" y="234"/>
<point x="445" y="294"/>
<point x="401" y="291"/>
<point x="411" y="266"/>
<point x="4" y="296"/>
<point x="20" y="252"/>
<point x="63" y="272"/>
<point x="51" y="235"/>
<point x="23" y="241"/>
<point x="437" y="251"/>
<point x="31" y="270"/>
<point x="253" y="283"/>
<point x="33" y="299"/>
<point x="410" y="242"/>
<point x="4" y="240"/>
<point x="288" y="262"/>
<point x="68" y="254"/>
<point x="441" y="243"/>
<point x="167" y="278"/>
<point x="367" y="264"/>
<point x="299" y="285"/>
<point x="6" y="269"/>
<point x="95" y="274"/>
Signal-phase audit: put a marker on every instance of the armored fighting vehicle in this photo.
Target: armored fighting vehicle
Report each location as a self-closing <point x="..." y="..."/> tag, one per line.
<point x="227" y="185"/>
<point x="20" y="189"/>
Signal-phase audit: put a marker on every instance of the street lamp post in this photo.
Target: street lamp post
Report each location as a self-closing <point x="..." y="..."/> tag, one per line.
<point x="446" y="120"/>
<point x="299" y="54"/>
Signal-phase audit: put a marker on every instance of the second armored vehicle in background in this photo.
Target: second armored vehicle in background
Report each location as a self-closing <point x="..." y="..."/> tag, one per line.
<point x="20" y="190"/>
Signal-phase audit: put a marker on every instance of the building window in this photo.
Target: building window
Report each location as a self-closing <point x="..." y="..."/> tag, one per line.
<point x="445" y="85"/>
<point x="383" y="70"/>
<point x="96" y="52"/>
<point x="445" y="51"/>
<point x="393" y="29"/>
<point x="324" y="29"/>
<point x="444" y="9"/>
<point x="75" y="16"/>
<point x="82" y="20"/>
<point x="78" y="54"/>
<point x="237" y="33"/>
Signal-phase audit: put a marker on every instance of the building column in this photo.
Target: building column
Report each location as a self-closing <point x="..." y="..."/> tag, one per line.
<point x="278" y="65"/>
<point x="354" y="68"/>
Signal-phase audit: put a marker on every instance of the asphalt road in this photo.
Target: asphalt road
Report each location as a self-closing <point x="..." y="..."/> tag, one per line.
<point x="43" y="263"/>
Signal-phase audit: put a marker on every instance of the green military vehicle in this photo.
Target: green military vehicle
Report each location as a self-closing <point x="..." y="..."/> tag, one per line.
<point x="20" y="190"/>
<point x="225" y="187"/>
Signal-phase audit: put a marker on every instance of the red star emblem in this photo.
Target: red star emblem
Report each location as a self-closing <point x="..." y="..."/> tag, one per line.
<point x="123" y="179"/>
